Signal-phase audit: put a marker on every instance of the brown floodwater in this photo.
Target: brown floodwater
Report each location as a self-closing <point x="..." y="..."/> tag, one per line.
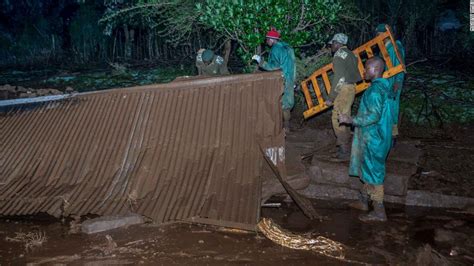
<point x="449" y="233"/>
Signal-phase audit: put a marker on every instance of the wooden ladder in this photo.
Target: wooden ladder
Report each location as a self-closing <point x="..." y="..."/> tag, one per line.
<point x="320" y="78"/>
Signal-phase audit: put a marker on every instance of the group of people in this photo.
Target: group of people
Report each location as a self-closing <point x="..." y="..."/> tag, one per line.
<point x="375" y="125"/>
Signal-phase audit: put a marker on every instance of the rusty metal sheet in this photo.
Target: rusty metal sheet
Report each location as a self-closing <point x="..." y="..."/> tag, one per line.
<point x="187" y="150"/>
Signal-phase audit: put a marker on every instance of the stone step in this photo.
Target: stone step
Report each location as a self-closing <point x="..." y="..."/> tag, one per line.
<point x="419" y="198"/>
<point x="401" y="165"/>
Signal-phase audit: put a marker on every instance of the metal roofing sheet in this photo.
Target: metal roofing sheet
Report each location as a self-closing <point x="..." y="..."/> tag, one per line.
<point x="187" y="150"/>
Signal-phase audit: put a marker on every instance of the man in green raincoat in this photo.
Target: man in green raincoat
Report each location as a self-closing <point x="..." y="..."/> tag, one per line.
<point x="372" y="140"/>
<point x="281" y="57"/>
<point x="396" y="82"/>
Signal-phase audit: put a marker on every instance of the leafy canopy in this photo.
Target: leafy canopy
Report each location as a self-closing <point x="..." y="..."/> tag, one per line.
<point x="301" y="23"/>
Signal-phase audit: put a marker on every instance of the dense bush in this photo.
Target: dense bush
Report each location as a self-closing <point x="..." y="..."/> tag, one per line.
<point x="301" y="23"/>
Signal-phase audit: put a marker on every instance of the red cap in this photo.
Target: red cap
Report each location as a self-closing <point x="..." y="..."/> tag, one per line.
<point x="273" y="34"/>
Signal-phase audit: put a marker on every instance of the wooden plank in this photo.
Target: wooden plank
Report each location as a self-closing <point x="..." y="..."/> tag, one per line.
<point x="369" y="51"/>
<point x="327" y="84"/>
<point x="317" y="91"/>
<point x="307" y="95"/>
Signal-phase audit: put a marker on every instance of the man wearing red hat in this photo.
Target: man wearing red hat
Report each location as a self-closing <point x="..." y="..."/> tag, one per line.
<point x="281" y="57"/>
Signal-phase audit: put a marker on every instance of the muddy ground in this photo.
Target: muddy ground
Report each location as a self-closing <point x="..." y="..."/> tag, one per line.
<point x="447" y="165"/>
<point x="448" y="233"/>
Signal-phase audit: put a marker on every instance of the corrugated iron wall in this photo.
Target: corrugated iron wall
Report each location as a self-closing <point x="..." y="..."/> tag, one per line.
<point x="185" y="150"/>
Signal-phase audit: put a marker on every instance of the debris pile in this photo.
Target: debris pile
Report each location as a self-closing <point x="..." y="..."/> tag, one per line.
<point x="31" y="240"/>
<point x="14" y="92"/>
<point x="320" y="244"/>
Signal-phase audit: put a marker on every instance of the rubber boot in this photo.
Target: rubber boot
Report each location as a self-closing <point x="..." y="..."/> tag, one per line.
<point x="286" y="120"/>
<point x="377" y="215"/>
<point x="343" y="154"/>
<point x="361" y="204"/>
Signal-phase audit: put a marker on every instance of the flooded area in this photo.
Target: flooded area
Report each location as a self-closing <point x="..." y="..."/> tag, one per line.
<point x="399" y="241"/>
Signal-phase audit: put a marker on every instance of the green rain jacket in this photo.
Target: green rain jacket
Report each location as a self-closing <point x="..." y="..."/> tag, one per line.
<point x="282" y="57"/>
<point x="397" y="79"/>
<point x="373" y="133"/>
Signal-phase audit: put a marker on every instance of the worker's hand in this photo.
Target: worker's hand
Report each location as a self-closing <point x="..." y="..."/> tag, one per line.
<point x="328" y="102"/>
<point x="201" y="50"/>
<point x="344" y="119"/>
<point x="257" y="58"/>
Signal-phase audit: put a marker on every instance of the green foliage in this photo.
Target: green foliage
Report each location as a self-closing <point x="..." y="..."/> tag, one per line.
<point x="86" y="36"/>
<point x="35" y="40"/>
<point x="465" y="37"/>
<point x="305" y="66"/>
<point x="246" y="22"/>
<point x="174" y="19"/>
<point x="434" y="99"/>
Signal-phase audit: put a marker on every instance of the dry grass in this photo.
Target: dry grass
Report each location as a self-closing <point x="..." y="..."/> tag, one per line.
<point x="31" y="240"/>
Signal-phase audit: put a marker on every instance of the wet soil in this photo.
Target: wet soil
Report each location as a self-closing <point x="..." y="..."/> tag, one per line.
<point x="394" y="242"/>
<point x="447" y="165"/>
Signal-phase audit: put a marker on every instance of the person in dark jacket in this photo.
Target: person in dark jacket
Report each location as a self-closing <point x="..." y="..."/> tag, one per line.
<point x="210" y="64"/>
<point x="346" y="75"/>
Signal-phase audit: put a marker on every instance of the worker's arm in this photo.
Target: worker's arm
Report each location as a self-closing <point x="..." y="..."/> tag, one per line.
<point x="199" y="62"/>
<point x="199" y="68"/>
<point x="274" y="61"/>
<point x="374" y="111"/>
<point x="222" y="68"/>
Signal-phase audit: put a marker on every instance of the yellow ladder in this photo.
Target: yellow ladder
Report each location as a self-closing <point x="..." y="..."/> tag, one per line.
<point x="318" y="105"/>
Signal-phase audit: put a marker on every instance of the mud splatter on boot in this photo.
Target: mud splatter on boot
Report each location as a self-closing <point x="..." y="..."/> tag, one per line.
<point x="361" y="204"/>
<point x="376" y="215"/>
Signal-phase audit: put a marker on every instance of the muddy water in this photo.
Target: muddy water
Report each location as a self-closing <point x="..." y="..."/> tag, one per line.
<point x="396" y="241"/>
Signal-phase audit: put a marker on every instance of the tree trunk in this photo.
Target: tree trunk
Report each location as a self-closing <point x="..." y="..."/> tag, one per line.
<point x="150" y="45"/>
<point x="132" y="41"/>
<point x="227" y="49"/>
<point x="165" y="51"/>
<point x="128" y="48"/>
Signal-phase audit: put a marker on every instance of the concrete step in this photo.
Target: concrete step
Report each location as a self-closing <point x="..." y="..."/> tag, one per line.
<point x="401" y="165"/>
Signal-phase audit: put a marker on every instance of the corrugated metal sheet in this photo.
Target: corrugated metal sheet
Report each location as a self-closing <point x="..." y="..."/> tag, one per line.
<point x="185" y="150"/>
